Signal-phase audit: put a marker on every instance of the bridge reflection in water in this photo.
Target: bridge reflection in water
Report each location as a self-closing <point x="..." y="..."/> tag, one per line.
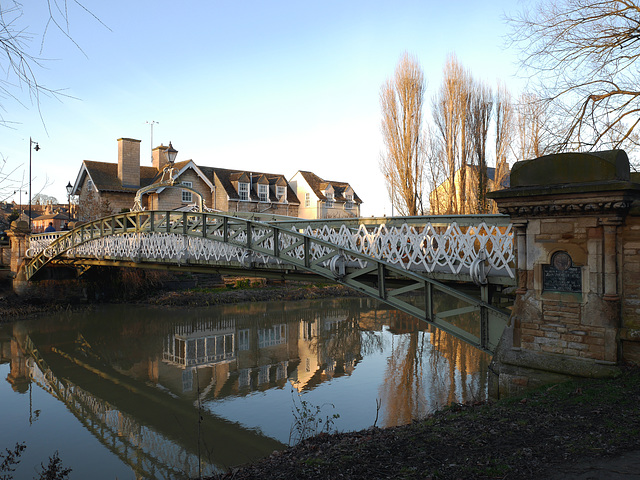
<point x="139" y="380"/>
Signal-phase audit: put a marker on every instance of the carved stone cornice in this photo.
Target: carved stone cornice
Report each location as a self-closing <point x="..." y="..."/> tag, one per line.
<point x="570" y="207"/>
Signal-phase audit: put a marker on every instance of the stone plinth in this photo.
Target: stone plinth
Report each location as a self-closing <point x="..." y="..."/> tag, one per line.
<point x="578" y="297"/>
<point x="19" y="241"/>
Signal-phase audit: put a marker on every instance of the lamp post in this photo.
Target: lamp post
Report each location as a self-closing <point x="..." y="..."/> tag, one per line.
<point x="20" y="192"/>
<point x="69" y="190"/>
<point x="36" y="148"/>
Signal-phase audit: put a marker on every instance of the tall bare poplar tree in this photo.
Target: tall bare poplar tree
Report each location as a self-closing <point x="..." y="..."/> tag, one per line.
<point x="402" y="164"/>
<point x="451" y="107"/>
<point x="504" y="125"/>
<point x="584" y="56"/>
<point x="481" y="100"/>
<point x="534" y="126"/>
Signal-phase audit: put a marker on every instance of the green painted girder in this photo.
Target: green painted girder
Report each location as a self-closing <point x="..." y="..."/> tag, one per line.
<point x="378" y="279"/>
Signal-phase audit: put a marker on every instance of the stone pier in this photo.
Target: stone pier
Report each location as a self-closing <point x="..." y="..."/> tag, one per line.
<point x="577" y="309"/>
<point x="19" y="241"/>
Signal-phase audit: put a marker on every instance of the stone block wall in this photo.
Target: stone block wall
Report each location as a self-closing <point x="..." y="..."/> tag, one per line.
<point x="5" y="255"/>
<point x="629" y="255"/>
<point x="220" y="200"/>
<point x="117" y="201"/>
<point x="171" y="198"/>
<point x="579" y="325"/>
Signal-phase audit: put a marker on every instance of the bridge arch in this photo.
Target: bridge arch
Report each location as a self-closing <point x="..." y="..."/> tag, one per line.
<point x="300" y="252"/>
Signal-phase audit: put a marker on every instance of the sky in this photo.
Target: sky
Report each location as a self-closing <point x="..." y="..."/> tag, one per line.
<point x="275" y="87"/>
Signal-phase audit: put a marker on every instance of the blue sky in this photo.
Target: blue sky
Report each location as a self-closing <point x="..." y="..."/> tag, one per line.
<point x="269" y="86"/>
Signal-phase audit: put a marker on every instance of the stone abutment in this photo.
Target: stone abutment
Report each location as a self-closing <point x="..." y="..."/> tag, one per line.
<point x="577" y="307"/>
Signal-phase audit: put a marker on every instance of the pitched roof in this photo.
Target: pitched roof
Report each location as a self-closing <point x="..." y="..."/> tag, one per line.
<point x="319" y="185"/>
<point x="105" y="176"/>
<point x="53" y="216"/>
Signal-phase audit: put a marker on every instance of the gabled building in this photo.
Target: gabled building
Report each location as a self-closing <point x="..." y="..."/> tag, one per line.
<point x="247" y="191"/>
<point x="107" y="188"/>
<point x="58" y="219"/>
<point x="321" y="198"/>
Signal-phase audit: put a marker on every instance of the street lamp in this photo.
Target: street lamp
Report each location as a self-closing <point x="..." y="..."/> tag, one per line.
<point x="20" y="191"/>
<point x="36" y="148"/>
<point x="172" y="153"/>
<point x="69" y="190"/>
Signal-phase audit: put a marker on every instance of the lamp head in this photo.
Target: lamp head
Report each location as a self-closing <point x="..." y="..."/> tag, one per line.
<point x="172" y="153"/>
<point x="37" y="147"/>
<point x="69" y="188"/>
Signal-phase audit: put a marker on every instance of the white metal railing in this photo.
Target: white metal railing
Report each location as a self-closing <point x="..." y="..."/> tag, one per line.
<point x="457" y="247"/>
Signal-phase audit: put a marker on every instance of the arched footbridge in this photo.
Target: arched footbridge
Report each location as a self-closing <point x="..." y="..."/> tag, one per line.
<point x="423" y="266"/>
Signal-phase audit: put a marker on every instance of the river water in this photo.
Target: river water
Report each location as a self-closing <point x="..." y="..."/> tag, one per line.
<point x="142" y="392"/>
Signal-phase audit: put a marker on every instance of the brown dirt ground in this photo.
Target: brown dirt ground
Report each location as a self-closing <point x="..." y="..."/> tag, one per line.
<point x="564" y="431"/>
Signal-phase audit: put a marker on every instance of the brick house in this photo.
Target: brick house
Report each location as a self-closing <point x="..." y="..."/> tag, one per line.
<point x="57" y="218"/>
<point x="323" y="198"/>
<point x="107" y="188"/>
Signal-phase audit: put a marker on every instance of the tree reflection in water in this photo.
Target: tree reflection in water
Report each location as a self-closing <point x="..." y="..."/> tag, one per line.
<point x="428" y="369"/>
<point x="167" y="385"/>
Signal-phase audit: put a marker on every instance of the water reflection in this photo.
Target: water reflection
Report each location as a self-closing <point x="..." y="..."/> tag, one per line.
<point x="177" y="393"/>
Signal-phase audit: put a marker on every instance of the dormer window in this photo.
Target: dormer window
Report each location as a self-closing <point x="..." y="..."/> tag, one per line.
<point x="263" y="192"/>
<point x="330" y="199"/>
<point x="243" y="191"/>
<point x="349" y="203"/>
<point x="281" y="193"/>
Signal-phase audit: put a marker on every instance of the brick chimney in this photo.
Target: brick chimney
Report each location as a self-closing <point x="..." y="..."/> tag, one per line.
<point x="129" y="162"/>
<point x="159" y="157"/>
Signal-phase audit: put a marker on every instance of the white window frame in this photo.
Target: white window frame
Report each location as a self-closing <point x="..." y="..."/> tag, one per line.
<point x="243" y="191"/>
<point x="263" y="192"/>
<point x="330" y="199"/>
<point x="349" y="203"/>
<point x="307" y="200"/>
<point x="187" y="196"/>
<point x="281" y="193"/>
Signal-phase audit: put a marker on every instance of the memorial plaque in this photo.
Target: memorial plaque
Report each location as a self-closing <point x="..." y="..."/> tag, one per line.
<point x="561" y="275"/>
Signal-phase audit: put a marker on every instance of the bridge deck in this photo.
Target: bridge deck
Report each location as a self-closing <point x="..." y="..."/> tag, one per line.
<point x="399" y="264"/>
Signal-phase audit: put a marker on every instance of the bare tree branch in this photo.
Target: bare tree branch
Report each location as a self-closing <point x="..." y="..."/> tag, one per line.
<point x="19" y="83"/>
<point x="582" y="56"/>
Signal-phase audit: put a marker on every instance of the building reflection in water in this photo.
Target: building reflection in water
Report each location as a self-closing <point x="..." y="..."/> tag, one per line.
<point x="148" y="364"/>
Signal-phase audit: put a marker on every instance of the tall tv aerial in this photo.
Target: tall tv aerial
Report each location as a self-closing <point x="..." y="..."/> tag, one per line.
<point x="151" y="124"/>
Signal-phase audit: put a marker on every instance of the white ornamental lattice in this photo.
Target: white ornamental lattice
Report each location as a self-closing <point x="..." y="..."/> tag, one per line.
<point x="430" y="248"/>
<point x="450" y="249"/>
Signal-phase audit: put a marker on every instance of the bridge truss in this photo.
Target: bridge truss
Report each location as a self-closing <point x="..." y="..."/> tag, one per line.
<point x="396" y="265"/>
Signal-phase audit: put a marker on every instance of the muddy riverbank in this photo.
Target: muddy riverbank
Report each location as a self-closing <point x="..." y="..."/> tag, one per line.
<point x="584" y="429"/>
<point x="158" y="290"/>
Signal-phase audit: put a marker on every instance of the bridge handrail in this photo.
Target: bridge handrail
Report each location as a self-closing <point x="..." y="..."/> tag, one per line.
<point x="422" y="220"/>
<point x="39" y="241"/>
<point x="444" y="246"/>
